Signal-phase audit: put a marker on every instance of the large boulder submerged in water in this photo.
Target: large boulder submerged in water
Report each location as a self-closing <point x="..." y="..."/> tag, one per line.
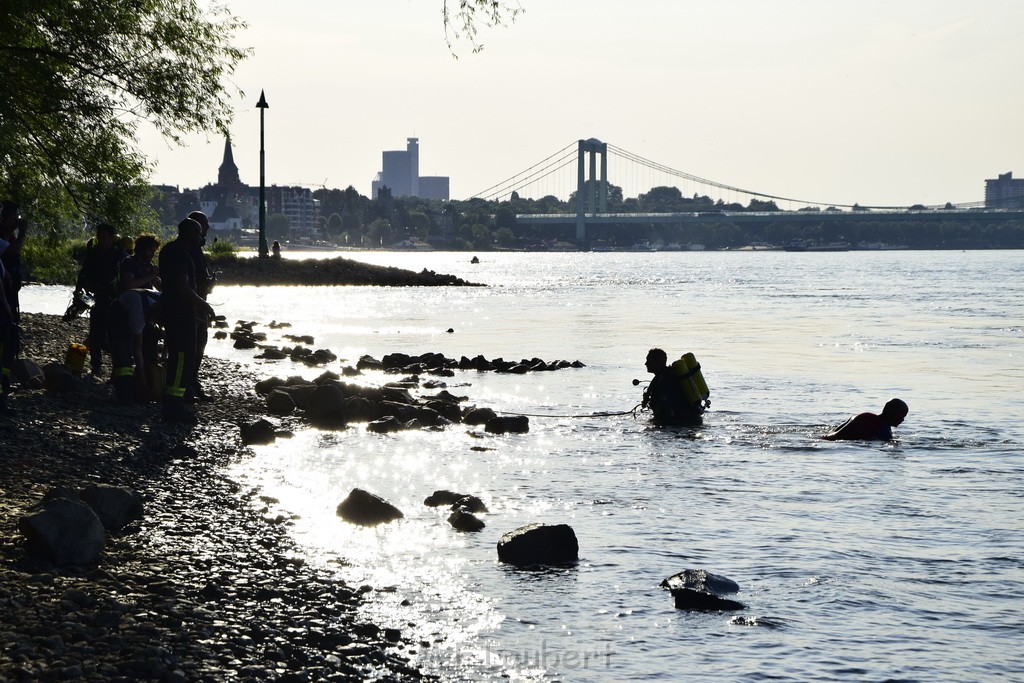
<point x="367" y="509"/>
<point x="700" y="590"/>
<point x="539" y="544"/>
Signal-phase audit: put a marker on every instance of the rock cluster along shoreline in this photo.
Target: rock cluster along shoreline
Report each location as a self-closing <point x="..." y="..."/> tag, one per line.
<point x="206" y="585"/>
<point x="334" y="271"/>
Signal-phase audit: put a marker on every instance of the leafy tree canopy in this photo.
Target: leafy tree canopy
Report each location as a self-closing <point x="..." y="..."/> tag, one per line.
<point x="78" y="79"/>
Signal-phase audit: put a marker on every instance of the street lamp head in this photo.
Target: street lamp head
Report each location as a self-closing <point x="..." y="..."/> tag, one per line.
<point x="262" y="104"/>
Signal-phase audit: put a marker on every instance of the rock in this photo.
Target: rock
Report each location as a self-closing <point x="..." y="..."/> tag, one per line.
<point x="261" y="431"/>
<point x="244" y="342"/>
<point x="366" y="509"/>
<point x="116" y="507"/>
<point x="514" y="424"/>
<point x="271" y="353"/>
<point x="64" y="532"/>
<point x="326" y="400"/>
<point x="539" y="544"/>
<point x="58" y="378"/>
<point x="264" y="387"/>
<point x="463" y="520"/>
<point x="478" y="416"/>
<point x="698" y="589"/>
<point x="28" y="374"/>
<point x="470" y="503"/>
<point x="360" y="409"/>
<point x="449" y="411"/>
<point x="443" y="497"/>
<point x="385" y="425"/>
<point x="280" y="402"/>
<point x="369" y="363"/>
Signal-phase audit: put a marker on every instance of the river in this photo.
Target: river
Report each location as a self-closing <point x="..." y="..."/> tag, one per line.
<point x="857" y="561"/>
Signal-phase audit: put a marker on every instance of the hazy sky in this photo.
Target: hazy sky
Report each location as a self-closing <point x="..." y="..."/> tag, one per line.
<point x="875" y="101"/>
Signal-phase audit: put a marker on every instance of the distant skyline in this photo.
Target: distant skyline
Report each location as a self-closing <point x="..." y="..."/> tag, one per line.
<point x="894" y="103"/>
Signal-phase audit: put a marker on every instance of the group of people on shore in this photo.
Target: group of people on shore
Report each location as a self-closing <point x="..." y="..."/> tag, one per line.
<point x="670" y="407"/>
<point x="138" y="298"/>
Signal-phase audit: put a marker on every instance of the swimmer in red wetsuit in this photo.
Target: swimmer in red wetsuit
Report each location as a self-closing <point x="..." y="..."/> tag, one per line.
<point x="871" y="427"/>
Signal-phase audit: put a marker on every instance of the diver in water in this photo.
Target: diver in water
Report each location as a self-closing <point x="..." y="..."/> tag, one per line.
<point x="665" y="396"/>
<point x="871" y="427"/>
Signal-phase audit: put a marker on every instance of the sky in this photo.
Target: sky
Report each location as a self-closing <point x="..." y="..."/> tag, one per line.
<point x="876" y="102"/>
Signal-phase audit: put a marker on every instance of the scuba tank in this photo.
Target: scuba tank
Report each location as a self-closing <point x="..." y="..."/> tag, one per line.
<point x="687" y="369"/>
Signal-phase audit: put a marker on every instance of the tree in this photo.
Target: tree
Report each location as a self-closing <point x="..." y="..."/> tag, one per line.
<point x="278" y="226"/>
<point x="335" y="224"/>
<point x="462" y="18"/>
<point x="79" y="78"/>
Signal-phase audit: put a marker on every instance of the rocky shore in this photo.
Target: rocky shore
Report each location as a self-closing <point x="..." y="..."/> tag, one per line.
<point x="206" y="586"/>
<point x="334" y="271"/>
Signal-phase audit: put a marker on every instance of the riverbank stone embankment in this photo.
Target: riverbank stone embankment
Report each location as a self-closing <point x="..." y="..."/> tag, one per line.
<point x="320" y="272"/>
<point x="204" y="585"/>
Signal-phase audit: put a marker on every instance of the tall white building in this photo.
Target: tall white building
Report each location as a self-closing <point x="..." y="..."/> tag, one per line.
<point x="400" y="173"/>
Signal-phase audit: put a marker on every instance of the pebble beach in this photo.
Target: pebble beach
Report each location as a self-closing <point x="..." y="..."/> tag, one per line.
<point x="205" y="587"/>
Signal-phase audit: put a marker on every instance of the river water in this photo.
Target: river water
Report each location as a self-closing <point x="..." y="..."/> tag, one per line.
<point x="857" y="561"/>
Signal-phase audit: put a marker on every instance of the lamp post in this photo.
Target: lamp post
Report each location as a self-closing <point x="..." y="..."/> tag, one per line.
<point x="264" y="251"/>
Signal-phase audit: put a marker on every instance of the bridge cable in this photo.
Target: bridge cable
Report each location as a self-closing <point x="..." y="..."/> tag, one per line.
<point x="505" y="182"/>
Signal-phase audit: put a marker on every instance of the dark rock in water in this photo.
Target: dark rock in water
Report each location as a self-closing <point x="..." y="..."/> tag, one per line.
<point x="449" y="411"/>
<point x="366" y="509"/>
<point x="261" y="431"/>
<point x="698" y="589"/>
<point x="244" y="342"/>
<point x="470" y="503"/>
<point x="326" y="376"/>
<point x="360" y="409"/>
<point x="443" y="497"/>
<point x="301" y="338"/>
<point x="478" y="416"/>
<point x="326" y="406"/>
<point x="369" y="363"/>
<point x="264" y="387"/>
<point x="64" y="532"/>
<point x="116" y="507"/>
<point x="515" y="424"/>
<point x="463" y="520"/>
<point x="385" y="425"/>
<point x="220" y="334"/>
<point x="272" y="353"/>
<point x="539" y="544"/>
<point x="280" y="402"/>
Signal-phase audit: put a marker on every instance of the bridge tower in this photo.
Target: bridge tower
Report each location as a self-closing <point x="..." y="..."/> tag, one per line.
<point x="591" y="196"/>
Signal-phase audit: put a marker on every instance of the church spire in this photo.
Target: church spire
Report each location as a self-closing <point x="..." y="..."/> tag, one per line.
<point x="228" y="172"/>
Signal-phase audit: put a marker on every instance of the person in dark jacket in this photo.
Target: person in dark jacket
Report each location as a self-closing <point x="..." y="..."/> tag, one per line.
<point x="13" y="228"/>
<point x="665" y="397"/>
<point x="204" y="283"/>
<point x="99" y="277"/>
<point x="180" y="306"/>
<point x="132" y="337"/>
<point x="871" y="427"/>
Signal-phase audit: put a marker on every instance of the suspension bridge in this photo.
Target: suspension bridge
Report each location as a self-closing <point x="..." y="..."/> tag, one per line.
<point x="584" y="166"/>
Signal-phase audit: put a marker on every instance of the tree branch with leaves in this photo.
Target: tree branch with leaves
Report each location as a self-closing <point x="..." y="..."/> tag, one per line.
<point x="462" y="19"/>
<point x="80" y="77"/>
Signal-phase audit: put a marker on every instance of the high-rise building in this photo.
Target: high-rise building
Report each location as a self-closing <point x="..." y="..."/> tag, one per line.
<point x="1004" y="192"/>
<point x="400" y="173"/>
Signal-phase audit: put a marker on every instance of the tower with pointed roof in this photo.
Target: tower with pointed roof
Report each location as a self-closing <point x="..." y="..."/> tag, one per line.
<point x="227" y="175"/>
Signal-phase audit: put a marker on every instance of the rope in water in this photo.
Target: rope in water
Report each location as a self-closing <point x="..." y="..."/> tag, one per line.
<point x="602" y="414"/>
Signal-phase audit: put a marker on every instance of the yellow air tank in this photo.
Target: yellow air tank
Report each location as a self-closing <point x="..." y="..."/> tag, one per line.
<point x="698" y="377"/>
<point x="687" y="369"/>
